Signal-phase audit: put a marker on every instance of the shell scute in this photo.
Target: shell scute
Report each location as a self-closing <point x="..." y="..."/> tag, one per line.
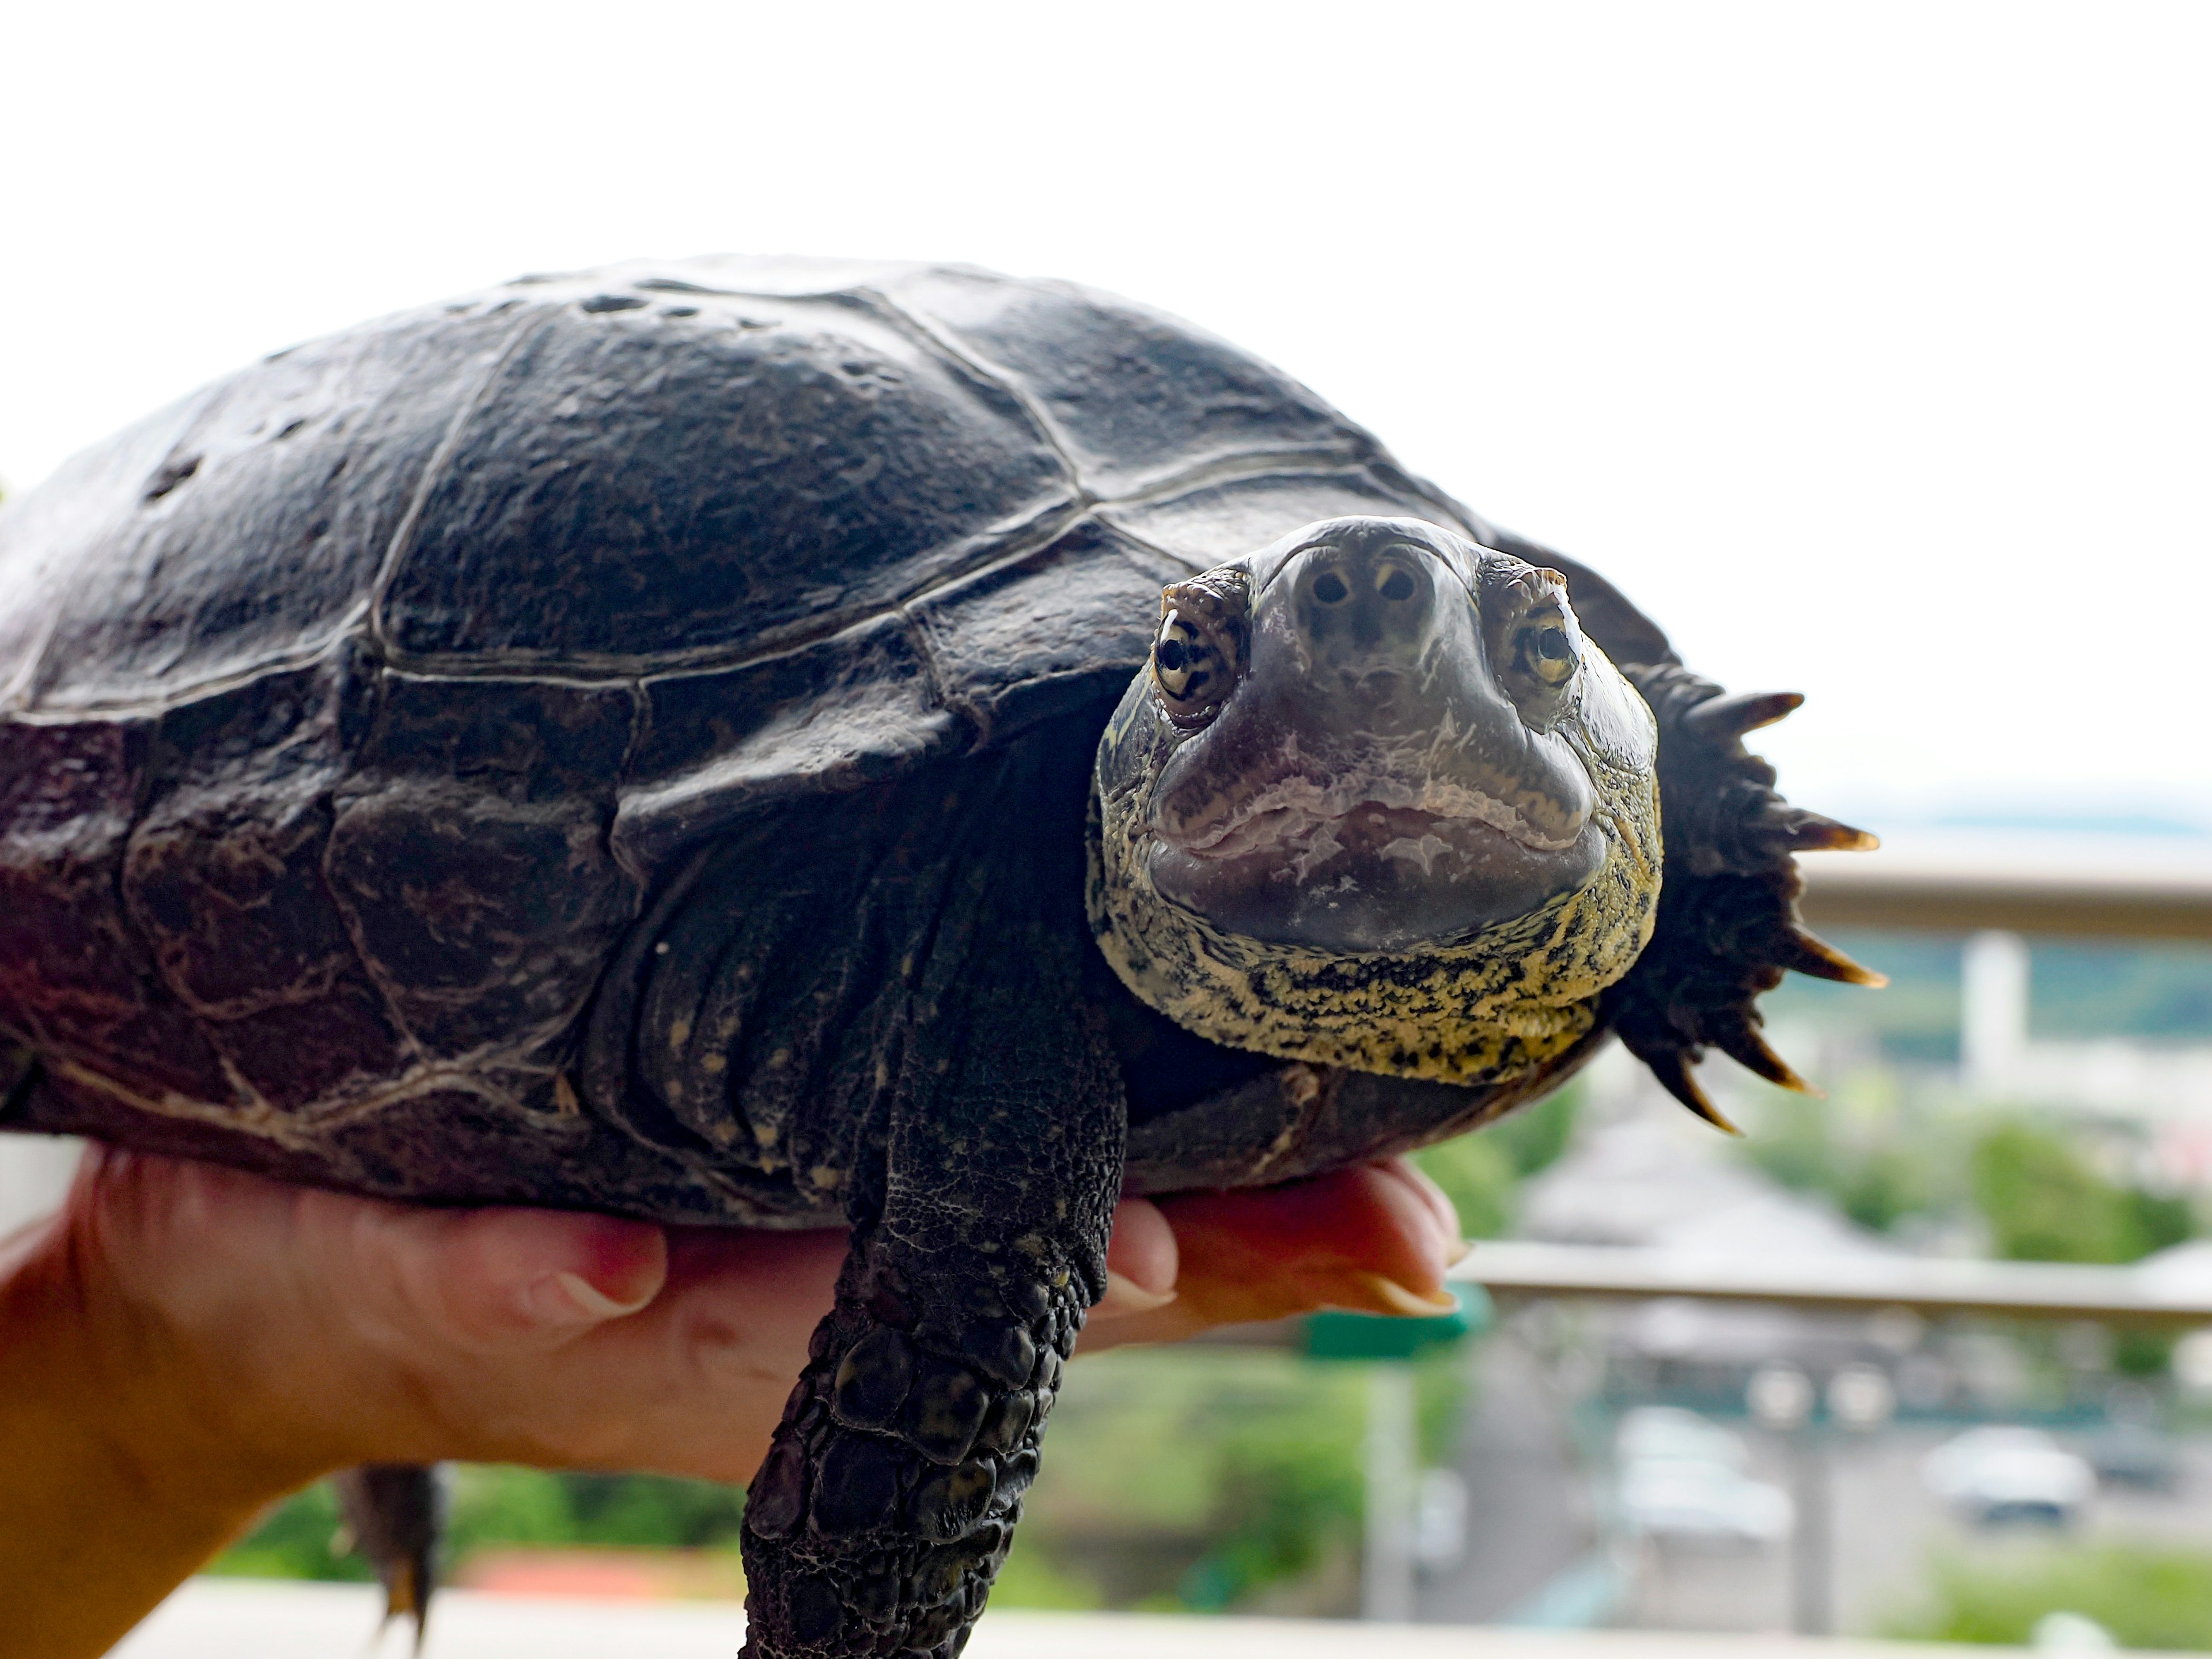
<point x="827" y="716"/>
<point x="74" y="976"/>
<point x="1131" y="395"/>
<point x="635" y="488"/>
<point x="222" y="876"/>
<point x="487" y="920"/>
<point x="149" y="559"/>
<point x="1063" y="627"/>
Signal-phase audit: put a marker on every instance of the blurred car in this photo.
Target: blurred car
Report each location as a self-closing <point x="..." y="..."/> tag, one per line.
<point x="2135" y="1454"/>
<point x="1681" y="1478"/>
<point x="1691" y="1500"/>
<point x="1995" y="1475"/>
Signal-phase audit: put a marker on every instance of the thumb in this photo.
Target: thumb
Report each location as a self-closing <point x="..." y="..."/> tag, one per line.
<point x="508" y="1279"/>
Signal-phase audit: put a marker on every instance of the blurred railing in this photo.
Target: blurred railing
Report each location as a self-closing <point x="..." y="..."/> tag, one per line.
<point x="2109" y="886"/>
<point x="2150" y="1295"/>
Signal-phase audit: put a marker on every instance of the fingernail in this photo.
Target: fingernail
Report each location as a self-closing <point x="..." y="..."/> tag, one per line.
<point x="1125" y="1296"/>
<point x="572" y="1299"/>
<point x="1459" y="1253"/>
<point x="1410" y="1303"/>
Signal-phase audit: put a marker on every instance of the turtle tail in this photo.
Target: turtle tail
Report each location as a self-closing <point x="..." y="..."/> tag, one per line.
<point x="1728" y="927"/>
<point x="392" y="1513"/>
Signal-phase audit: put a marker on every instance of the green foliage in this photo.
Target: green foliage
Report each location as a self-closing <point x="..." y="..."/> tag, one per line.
<point x="1883" y="1161"/>
<point x="1278" y="1504"/>
<point x="2078" y="990"/>
<point x="1533" y="1137"/>
<point x="1877" y="1176"/>
<point x="1478" y="1176"/>
<point x="651" y="1511"/>
<point x="2146" y="1597"/>
<point x="1194" y="1478"/>
<point x="2044" y="1202"/>
<point x="1480" y="1171"/>
<point x="1032" y="1577"/>
<point x="295" y="1539"/>
<point x="1190" y="1479"/>
<point x="496" y="1507"/>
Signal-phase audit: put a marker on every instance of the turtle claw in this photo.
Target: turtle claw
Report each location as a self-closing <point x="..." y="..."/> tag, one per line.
<point x="1672" y="1068"/>
<point x="1812" y="832"/>
<point x="1744" y="1045"/>
<point x="1718" y="719"/>
<point x="1821" y="960"/>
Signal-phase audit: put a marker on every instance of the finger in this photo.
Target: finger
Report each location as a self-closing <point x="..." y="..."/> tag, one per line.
<point x="1413" y="1236"/>
<point x="1448" y="1237"/>
<point x="692" y="1385"/>
<point x="1368" y="1239"/>
<point x="493" y="1279"/>
<point x="1141" y="1261"/>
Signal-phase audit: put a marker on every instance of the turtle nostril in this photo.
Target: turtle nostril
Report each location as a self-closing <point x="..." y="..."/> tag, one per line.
<point x="1328" y="587"/>
<point x="1397" y="584"/>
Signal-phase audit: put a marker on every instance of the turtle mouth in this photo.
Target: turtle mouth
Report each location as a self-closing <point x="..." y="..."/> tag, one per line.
<point x="1315" y="821"/>
<point x="1370" y="874"/>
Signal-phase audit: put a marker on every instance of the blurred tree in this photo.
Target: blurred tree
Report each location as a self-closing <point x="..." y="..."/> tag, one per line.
<point x="2044" y="1202"/>
<point x="298" y="1539"/>
<point x="1877" y="1179"/>
<point x="497" y="1506"/>
<point x="2145" y="1597"/>
<point x="1480" y="1171"/>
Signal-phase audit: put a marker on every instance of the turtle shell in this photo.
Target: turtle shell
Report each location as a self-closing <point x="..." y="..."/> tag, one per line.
<point x="351" y="708"/>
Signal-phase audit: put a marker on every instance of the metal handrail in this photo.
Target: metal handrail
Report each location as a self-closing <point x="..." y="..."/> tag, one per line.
<point x="2113" y="886"/>
<point x="2142" y="1295"/>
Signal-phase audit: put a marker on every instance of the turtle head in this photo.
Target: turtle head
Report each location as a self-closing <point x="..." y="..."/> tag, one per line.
<point x="1376" y="801"/>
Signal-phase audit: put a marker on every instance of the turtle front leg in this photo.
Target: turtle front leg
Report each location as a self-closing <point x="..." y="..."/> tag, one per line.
<point x="885" y="1505"/>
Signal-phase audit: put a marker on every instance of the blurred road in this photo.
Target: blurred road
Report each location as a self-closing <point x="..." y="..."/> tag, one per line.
<point x="1527" y="1519"/>
<point x="1887" y="1526"/>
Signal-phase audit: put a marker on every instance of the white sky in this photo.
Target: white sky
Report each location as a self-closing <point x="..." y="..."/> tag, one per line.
<point x="1868" y="346"/>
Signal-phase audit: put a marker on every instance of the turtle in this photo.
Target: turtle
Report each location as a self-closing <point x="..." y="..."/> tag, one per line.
<point x="792" y="742"/>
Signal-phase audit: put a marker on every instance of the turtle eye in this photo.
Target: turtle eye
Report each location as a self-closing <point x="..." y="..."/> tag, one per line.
<point x="1530" y="632"/>
<point x="1547" y="651"/>
<point x="1199" y="652"/>
<point x="1186" y="666"/>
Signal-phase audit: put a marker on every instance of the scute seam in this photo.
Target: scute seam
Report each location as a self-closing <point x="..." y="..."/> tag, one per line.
<point x="434" y="470"/>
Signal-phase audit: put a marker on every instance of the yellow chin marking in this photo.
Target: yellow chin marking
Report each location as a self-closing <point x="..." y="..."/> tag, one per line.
<point x="1515" y="995"/>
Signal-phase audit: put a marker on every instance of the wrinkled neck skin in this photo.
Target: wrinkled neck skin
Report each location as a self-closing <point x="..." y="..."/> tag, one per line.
<point x="1401" y="818"/>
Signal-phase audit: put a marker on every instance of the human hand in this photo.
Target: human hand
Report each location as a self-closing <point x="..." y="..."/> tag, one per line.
<point x="304" y="1330"/>
<point x="184" y="1343"/>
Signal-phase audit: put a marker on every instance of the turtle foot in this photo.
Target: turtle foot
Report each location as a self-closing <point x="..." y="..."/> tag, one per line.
<point x="887" y="1503"/>
<point x="1728" y="927"/>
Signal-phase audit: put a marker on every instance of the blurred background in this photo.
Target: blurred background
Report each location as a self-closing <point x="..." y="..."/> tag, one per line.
<point x="1867" y="348"/>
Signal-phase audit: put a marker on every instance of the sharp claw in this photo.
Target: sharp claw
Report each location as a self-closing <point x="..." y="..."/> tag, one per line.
<point x="1672" y="1068"/>
<point x="403" y="1599"/>
<point x="1821" y="960"/>
<point x="1743" y="1045"/>
<point x="1810" y="832"/>
<point x="1720" y="718"/>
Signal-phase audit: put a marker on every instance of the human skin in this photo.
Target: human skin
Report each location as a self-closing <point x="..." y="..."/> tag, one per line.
<point x="181" y="1345"/>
